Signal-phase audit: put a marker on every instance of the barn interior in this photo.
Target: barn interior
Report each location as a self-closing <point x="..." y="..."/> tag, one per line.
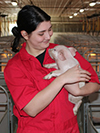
<point x="75" y="23"/>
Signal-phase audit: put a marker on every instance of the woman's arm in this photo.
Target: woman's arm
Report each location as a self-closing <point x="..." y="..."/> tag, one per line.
<point x="43" y="98"/>
<point x="89" y="88"/>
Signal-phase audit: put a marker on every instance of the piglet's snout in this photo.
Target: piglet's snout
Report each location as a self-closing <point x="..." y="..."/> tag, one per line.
<point x="50" y="50"/>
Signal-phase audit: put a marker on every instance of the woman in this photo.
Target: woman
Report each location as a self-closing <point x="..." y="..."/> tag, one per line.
<point x="42" y="106"/>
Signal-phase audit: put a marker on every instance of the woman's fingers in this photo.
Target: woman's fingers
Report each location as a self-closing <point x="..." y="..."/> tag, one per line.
<point x="84" y="75"/>
<point x="77" y="74"/>
<point x="84" y="71"/>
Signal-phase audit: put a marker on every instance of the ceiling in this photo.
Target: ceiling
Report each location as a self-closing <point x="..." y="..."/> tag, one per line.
<point x="55" y="8"/>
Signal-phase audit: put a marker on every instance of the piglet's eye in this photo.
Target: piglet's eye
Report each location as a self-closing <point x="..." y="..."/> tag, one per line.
<point x="54" y="49"/>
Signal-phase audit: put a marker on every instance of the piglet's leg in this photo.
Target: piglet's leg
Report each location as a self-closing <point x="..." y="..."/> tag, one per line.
<point x="76" y="107"/>
<point x="53" y="74"/>
<point x="74" y="99"/>
<point x="52" y="65"/>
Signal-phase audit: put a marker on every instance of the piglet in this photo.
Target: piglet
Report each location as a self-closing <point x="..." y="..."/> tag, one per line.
<point x="64" y="59"/>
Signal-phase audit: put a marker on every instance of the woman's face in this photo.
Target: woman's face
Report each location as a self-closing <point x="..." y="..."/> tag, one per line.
<point x="39" y="39"/>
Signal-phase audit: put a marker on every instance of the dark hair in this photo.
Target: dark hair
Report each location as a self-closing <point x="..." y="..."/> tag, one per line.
<point x="29" y="17"/>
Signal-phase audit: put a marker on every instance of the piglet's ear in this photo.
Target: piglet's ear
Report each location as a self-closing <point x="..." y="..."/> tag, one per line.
<point x="72" y="50"/>
<point x="61" y="55"/>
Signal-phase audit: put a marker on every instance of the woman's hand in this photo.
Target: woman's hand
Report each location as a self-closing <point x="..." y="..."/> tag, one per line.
<point x="75" y="74"/>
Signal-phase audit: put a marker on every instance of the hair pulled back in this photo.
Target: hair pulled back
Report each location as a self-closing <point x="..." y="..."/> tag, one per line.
<point x="29" y="17"/>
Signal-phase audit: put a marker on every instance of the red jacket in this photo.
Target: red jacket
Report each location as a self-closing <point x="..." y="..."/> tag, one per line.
<point x="24" y="78"/>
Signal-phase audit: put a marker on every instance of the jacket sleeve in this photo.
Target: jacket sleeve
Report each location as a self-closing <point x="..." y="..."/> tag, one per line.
<point x="21" y="88"/>
<point x="87" y="66"/>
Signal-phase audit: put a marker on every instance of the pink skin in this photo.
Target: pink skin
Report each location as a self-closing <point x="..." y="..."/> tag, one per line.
<point x="64" y="58"/>
<point x="39" y="39"/>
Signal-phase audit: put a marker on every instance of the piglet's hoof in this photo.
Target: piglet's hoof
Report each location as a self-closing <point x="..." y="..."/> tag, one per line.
<point x="48" y="76"/>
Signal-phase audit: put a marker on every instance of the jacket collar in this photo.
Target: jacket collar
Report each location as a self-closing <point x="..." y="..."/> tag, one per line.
<point x="26" y="56"/>
<point x="23" y="53"/>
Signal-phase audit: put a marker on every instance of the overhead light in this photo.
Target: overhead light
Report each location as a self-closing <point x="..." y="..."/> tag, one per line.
<point x="70" y="16"/>
<point x="81" y="10"/>
<point x="92" y="54"/>
<point x="14" y="3"/>
<point x="92" y="4"/>
<point x="75" y="14"/>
